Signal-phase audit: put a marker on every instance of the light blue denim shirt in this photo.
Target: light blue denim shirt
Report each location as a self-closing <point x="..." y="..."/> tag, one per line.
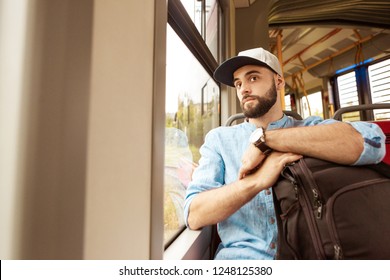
<point x="251" y="232"/>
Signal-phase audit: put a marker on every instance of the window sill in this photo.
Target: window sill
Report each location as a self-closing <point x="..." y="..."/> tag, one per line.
<point x="190" y="245"/>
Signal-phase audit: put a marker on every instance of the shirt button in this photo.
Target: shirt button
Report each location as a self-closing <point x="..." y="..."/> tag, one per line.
<point x="271" y="221"/>
<point x="267" y="192"/>
<point x="272" y="245"/>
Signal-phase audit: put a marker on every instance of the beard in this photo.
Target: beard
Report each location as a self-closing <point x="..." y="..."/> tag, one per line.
<point x="263" y="104"/>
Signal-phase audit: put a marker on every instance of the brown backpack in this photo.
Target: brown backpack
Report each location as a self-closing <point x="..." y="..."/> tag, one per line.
<point x="330" y="211"/>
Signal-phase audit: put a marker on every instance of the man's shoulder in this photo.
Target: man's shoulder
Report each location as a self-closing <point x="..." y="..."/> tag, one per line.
<point x="227" y="133"/>
<point x="229" y="129"/>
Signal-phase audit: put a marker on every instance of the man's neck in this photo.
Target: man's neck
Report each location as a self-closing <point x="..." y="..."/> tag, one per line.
<point x="265" y="120"/>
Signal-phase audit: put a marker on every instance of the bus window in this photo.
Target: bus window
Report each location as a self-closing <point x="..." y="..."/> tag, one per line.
<point x="315" y="102"/>
<point x="379" y="76"/>
<point x="376" y="91"/>
<point x="205" y="14"/>
<point x="192" y="109"/>
<point x="195" y="10"/>
<point x="348" y="94"/>
<point x="287" y="102"/>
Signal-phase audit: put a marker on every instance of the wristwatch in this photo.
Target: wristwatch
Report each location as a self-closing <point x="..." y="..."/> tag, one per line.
<point x="257" y="138"/>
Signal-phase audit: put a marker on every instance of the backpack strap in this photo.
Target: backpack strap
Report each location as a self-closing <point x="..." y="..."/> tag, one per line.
<point x="382" y="168"/>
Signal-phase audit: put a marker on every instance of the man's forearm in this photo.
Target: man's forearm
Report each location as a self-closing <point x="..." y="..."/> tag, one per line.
<point x="213" y="206"/>
<point x="337" y="142"/>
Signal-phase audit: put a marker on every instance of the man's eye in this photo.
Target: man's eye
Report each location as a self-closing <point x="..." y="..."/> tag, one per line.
<point x="237" y="85"/>
<point x="253" y="78"/>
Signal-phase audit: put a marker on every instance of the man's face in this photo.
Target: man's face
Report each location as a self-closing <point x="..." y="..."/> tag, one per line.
<point x="256" y="90"/>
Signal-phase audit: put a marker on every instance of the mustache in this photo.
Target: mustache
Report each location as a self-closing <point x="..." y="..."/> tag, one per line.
<point x="248" y="96"/>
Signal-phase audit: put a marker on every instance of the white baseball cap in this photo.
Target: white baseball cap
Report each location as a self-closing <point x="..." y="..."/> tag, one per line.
<point x="257" y="56"/>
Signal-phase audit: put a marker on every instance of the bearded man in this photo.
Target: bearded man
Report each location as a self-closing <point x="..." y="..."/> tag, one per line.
<point x="231" y="186"/>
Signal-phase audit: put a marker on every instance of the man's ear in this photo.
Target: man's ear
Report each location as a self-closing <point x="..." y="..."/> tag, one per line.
<point x="279" y="82"/>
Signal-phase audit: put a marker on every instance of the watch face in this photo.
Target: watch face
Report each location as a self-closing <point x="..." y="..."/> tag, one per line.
<point x="255" y="136"/>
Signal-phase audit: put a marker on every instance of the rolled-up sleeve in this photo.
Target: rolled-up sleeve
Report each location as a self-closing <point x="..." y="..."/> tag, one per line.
<point x="374" y="143"/>
<point x="374" y="139"/>
<point x="209" y="174"/>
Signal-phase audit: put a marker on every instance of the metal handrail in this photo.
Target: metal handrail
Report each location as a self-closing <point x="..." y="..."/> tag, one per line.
<point x="339" y="112"/>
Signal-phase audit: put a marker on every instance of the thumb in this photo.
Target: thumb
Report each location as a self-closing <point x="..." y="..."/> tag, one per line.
<point x="241" y="174"/>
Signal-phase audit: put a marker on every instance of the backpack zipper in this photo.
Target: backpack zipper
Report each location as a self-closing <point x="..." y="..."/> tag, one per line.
<point x="290" y="178"/>
<point x="307" y="210"/>
<point x="338" y="253"/>
<point x="317" y="203"/>
<point x="317" y="199"/>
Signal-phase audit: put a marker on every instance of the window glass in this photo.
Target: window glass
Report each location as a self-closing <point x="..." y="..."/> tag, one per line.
<point x="379" y="75"/>
<point x="212" y="26"/>
<point x="205" y="15"/>
<point x="194" y="10"/>
<point x="192" y="109"/>
<point x="287" y="102"/>
<point x="348" y="95"/>
<point x="315" y="102"/>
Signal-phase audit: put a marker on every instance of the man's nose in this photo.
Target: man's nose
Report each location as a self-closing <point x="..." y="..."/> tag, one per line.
<point x="245" y="88"/>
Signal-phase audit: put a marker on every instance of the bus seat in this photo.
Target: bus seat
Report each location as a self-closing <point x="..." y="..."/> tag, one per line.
<point x="240" y="116"/>
<point x="383" y="124"/>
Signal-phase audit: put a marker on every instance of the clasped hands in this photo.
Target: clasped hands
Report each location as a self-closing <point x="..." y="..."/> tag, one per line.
<point x="265" y="168"/>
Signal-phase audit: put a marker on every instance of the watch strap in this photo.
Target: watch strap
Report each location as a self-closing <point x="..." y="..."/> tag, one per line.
<point x="263" y="147"/>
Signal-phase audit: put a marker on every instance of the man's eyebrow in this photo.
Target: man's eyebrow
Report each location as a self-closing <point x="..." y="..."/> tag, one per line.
<point x="247" y="74"/>
<point x="252" y="72"/>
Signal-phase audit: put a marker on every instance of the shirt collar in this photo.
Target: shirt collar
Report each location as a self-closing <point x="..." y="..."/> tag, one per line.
<point x="273" y="125"/>
<point x="279" y="123"/>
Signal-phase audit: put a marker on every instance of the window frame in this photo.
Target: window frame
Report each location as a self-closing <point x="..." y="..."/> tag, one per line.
<point x="182" y="24"/>
<point x="362" y="84"/>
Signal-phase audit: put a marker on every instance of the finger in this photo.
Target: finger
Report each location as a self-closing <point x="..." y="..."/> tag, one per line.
<point x="241" y="173"/>
<point x="289" y="157"/>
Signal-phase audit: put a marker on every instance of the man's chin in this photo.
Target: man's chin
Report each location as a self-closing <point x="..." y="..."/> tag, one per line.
<point x="248" y="113"/>
<point x="248" y="106"/>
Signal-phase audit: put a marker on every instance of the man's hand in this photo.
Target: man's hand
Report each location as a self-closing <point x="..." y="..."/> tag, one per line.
<point x="268" y="173"/>
<point x="251" y="159"/>
<point x="213" y="206"/>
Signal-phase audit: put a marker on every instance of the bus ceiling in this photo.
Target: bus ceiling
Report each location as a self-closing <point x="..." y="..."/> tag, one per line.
<point x="317" y="38"/>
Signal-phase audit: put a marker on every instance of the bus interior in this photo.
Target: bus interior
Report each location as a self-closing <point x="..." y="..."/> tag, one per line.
<point x="105" y="104"/>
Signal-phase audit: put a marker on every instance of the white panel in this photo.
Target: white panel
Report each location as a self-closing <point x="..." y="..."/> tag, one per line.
<point x="13" y="15"/>
<point x="120" y="134"/>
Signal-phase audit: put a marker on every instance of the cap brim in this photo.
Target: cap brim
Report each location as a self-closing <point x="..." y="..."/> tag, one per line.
<point x="224" y="72"/>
